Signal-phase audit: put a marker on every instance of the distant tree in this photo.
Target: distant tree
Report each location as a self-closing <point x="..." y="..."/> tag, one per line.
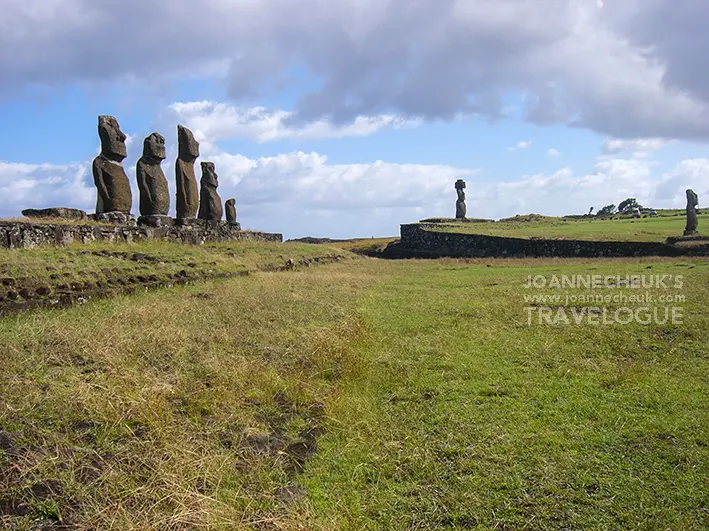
<point x="607" y="210"/>
<point x="590" y="211"/>
<point x="628" y="205"/>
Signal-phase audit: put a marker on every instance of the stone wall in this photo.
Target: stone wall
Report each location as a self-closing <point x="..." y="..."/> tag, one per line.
<point x="27" y="235"/>
<point x="418" y="239"/>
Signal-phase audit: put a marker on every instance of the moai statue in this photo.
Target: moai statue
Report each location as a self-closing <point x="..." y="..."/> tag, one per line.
<point x="114" y="194"/>
<point x="460" y="209"/>
<point x="152" y="184"/>
<point x="692" y="221"/>
<point x="210" y="204"/>
<point x="188" y="151"/>
<point x="230" y="210"/>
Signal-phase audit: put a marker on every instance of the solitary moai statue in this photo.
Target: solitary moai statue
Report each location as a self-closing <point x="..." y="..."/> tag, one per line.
<point x="152" y="184"/>
<point x="460" y="209"/>
<point x="230" y="210"/>
<point x="188" y="151"/>
<point x="692" y="221"/>
<point x="210" y="204"/>
<point x="113" y="187"/>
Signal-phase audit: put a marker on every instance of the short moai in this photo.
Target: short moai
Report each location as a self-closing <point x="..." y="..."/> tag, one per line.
<point x="692" y="221"/>
<point x="112" y="184"/>
<point x="230" y="211"/>
<point x="210" y="204"/>
<point x="187" y="193"/>
<point x="152" y="184"/>
<point x="460" y="208"/>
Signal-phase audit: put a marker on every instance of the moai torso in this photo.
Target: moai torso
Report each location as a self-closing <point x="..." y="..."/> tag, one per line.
<point x="112" y="184"/>
<point x="185" y="180"/>
<point x="210" y="204"/>
<point x="152" y="184"/>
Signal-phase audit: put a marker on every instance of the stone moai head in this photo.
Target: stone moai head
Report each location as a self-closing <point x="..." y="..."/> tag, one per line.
<point x="231" y="202"/>
<point x="154" y="148"/>
<point x="113" y="140"/>
<point x="187" y="146"/>
<point x="209" y="175"/>
<point x="692" y="198"/>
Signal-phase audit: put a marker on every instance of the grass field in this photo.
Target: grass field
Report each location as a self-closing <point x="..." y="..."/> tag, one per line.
<point x="364" y="394"/>
<point x="643" y="229"/>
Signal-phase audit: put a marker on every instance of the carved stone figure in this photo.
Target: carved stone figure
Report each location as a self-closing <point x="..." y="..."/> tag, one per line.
<point x="114" y="194"/>
<point x="188" y="151"/>
<point x="154" y="193"/>
<point x="210" y="204"/>
<point x="230" y="210"/>
<point x="692" y="222"/>
<point x="460" y="208"/>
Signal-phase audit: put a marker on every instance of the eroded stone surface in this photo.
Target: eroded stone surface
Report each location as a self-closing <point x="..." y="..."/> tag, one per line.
<point x="210" y="204"/>
<point x="113" y="186"/>
<point x="230" y="210"/>
<point x="54" y="212"/>
<point x="460" y="208"/>
<point x="692" y="221"/>
<point x="115" y="218"/>
<point x="187" y="193"/>
<point x="152" y="184"/>
<point x="156" y="221"/>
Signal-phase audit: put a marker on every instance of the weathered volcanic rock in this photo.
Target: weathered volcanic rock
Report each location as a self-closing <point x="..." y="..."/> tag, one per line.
<point x="188" y="151"/>
<point x="154" y="193"/>
<point x="210" y="204"/>
<point x="230" y="210"/>
<point x="692" y="221"/>
<point x="55" y="212"/>
<point x="460" y="208"/>
<point x="114" y="193"/>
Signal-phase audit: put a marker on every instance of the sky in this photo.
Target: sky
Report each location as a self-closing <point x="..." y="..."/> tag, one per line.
<point x="347" y="118"/>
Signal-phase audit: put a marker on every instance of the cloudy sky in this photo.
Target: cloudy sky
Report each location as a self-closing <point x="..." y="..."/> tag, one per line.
<point x="348" y="117"/>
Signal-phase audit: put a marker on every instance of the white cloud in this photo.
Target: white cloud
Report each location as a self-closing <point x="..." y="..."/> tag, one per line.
<point x="43" y="185"/>
<point x="218" y="121"/>
<point x="553" y="152"/>
<point x="637" y="146"/>
<point x="631" y="69"/>
<point x="524" y="144"/>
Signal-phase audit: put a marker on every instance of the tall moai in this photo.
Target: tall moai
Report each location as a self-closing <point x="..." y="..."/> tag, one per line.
<point x="210" y="204"/>
<point x="692" y="221"/>
<point x="112" y="184"/>
<point x="187" y="194"/>
<point x="152" y="184"/>
<point x="460" y="208"/>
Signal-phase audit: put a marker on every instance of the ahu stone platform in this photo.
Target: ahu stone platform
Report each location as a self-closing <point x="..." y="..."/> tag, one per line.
<point x="27" y="235"/>
<point x="421" y="240"/>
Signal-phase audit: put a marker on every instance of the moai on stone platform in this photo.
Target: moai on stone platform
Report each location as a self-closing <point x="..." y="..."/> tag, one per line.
<point x="230" y="210"/>
<point x="460" y="208"/>
<point x="210" y="204"/>
<point x="188" y="151"/>
<point x="692" y="221"/>
<point x="152" y="184"/>
<point x="113" y="187"/>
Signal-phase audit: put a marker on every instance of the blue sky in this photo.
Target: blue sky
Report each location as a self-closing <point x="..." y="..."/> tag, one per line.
<point x="347" y="119"/>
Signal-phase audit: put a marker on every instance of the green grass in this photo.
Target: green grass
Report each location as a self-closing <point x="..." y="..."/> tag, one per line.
<point x="100" y="266"/>
<point x="364" y="394"/>
<point x="643" y="229"/>
<point x="469" y="418"/>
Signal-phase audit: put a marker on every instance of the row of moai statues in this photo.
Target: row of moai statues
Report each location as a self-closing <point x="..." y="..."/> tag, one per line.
<point x="113" y="186"/>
